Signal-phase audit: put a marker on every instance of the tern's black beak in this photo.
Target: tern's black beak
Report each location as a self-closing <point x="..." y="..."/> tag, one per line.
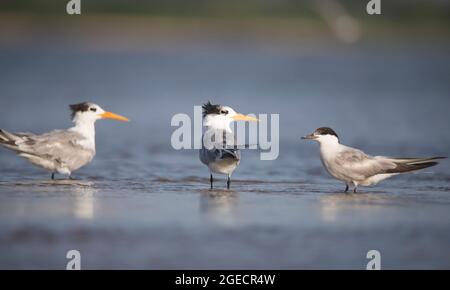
<point x="309" y="137"/>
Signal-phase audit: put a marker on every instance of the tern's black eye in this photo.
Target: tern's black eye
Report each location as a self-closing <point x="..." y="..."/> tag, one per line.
<point x="93" y="109"/>
<point x="223" y="112"/>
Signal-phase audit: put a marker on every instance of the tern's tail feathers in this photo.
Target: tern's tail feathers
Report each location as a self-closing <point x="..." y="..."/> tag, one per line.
<point x="413" y="164"/>
<point x="7" y="138"/>
<point x="10" y="140"/>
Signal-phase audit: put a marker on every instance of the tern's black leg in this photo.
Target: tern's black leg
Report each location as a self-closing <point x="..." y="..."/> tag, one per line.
<point x="53" y="176"/>
<point x="228" y="182"/>
<point x="355" y="190"/>
<point x="346" y="188"/>
<point x="211" y="179"/>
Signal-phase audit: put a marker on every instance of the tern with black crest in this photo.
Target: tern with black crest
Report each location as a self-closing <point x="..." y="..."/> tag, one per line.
<point x="61" y="151"/>
<point x="216" y="154"/>
<point x="354" y="167"/>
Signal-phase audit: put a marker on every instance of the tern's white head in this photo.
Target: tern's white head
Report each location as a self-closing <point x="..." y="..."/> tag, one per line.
<point x="89" y="113"/>
<point x="323" y="135"/>
<point x="221" y="117"/>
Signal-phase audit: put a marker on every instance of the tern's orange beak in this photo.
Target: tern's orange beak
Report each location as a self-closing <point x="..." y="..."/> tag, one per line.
<point x="109" y="115"/>
<point x="240" y="117"/>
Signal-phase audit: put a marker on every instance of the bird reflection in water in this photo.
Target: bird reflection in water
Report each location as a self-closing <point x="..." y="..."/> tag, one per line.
<point x="220" y="206"/>
<point x="84" y="200"/>
<point x="339" y="206"/>
<point x="75" y="197"/>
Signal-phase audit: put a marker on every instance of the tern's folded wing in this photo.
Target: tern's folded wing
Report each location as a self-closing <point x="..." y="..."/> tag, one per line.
<point x="213" y="155"/>
<point x="357" y="165"/>
<point x="56" y="145"/>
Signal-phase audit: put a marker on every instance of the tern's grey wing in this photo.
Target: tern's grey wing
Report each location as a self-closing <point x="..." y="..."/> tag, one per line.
<point x="213" y="155"/>
<point x="207" y="156"/>
<point x="60" y="146"/>
<point x="356" y="165"/>
<point x="220" y="147"/>
<point x="59" y="143"/>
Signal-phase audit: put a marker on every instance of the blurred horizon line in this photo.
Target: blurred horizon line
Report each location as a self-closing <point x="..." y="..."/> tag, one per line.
<point x="399" y="10"/>
<point x="107" y="32"/>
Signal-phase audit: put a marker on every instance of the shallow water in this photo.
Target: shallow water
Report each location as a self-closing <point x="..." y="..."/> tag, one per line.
<point x="141" y="204"/>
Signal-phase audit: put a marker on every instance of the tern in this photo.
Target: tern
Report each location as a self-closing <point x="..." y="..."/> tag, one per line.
<point x="354" y="167"/>
<point x="220" y="159"/>
<point x="61" y="151"/>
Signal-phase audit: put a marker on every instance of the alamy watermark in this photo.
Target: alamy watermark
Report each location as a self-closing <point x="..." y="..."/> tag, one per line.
<point x="261" y="136"/>
<point x="375" y="260"/>
<point x="373" y="7"/>
<point x="74" y="257"/>
<point x="73" y="7"/>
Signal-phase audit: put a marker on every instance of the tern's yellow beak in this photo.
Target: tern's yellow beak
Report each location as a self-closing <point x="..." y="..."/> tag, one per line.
<point x="240" y="117"/>
<point x="109" y="115"/>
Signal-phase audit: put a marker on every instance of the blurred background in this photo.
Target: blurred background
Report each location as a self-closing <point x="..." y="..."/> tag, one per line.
<point x="316" y="63"/>
<point x="381" y="81"/>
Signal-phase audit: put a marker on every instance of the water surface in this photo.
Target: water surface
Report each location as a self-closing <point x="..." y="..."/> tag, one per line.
<point x="142" y="205"/>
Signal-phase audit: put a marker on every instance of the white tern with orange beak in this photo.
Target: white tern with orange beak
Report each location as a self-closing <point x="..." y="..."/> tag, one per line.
<point x="61" y="151"/>
<point x="220" y="159"/>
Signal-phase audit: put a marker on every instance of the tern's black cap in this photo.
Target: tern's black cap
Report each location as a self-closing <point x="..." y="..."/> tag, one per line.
<point x="325" y="131"/>
<point x="209" y="108"/>
<point x="81" y="107"/>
